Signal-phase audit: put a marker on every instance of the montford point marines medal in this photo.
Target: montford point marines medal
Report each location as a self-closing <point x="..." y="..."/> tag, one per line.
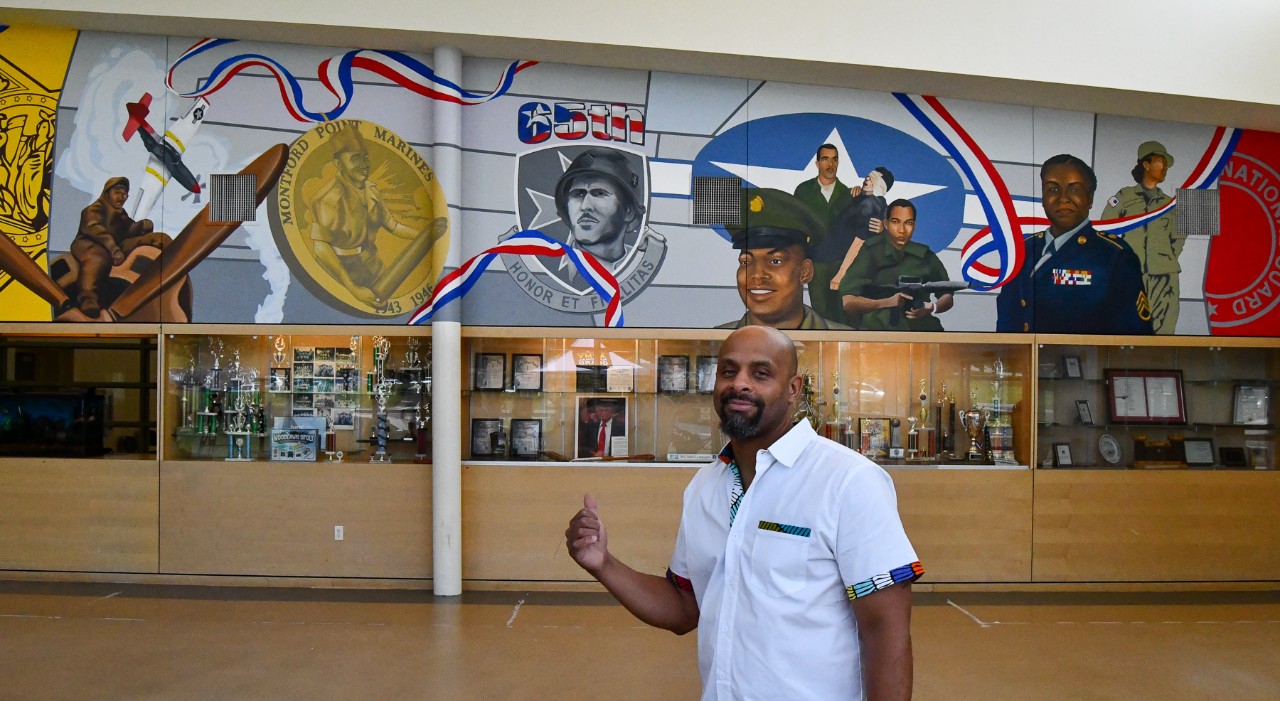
<point x="361" y="219"/>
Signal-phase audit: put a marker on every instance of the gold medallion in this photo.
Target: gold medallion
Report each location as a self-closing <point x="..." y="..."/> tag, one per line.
<point x="361" y="218"/>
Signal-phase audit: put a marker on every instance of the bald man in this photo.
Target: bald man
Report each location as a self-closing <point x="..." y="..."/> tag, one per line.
<point x="790" y="549"/>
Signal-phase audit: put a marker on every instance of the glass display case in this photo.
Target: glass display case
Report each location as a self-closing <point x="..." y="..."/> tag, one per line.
<point x="77" y="395"/>
<point x="1204" y="403"/>
<point x="902" y="402"/>
<point x="297" y="397"/>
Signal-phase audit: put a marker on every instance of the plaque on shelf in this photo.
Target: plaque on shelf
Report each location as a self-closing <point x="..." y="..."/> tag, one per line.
<point x="707" y="365"/>
<point x="1109" y="449"/>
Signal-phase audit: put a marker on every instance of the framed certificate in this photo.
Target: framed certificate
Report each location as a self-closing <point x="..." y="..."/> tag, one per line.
<point x="1062" y="455"/>
<point x="526" y="372"/>
<point x="1198" y="451"/>
<point x="1071" y="366"/>
<point x="1146" y="396"/>
<point x="1252" y="405"/>
<point x="482" y="431"/>
<point x="526" y="438"/>
<point x="673" y="373"/>
<point x="490" y="371"/>
<point x="1084" y="412"/>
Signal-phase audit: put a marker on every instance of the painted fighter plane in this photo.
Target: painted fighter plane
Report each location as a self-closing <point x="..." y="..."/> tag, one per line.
<point x="166" y="151"/>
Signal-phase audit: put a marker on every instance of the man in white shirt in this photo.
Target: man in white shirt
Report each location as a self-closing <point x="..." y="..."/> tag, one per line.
<point x="790" y="558"/>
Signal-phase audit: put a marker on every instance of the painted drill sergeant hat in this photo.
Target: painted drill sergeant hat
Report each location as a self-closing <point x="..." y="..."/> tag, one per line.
<point x="775" y="219"/>
<point x="1154" y="148"/>
<point x="609" y="164"/>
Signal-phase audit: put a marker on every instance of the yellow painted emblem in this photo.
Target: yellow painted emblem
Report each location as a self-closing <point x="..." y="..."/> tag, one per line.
<point x="33" y="63"/>
<point x="756" y="204"/>
<point x="361" y="218"/>
<point x="1144" y="307"/>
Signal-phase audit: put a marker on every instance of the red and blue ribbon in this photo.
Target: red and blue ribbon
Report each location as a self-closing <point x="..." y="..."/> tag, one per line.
<point x="528" y="242"/>
<point x="1003" y="234"/>
<point x="335" y="74"/>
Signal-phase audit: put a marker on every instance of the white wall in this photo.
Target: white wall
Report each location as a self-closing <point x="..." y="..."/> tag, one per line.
<point x="1182" y="60"/>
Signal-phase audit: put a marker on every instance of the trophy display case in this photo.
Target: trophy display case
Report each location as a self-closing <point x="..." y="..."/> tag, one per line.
<point x="899" y="401"/>
<point x="1173" y="403"/>
<point x="297" y="397"/>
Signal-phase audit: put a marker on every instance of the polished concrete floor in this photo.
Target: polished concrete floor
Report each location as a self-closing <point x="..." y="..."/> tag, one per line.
<point x="131" y="641"/>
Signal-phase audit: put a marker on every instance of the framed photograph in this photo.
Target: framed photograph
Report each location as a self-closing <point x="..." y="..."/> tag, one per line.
<point x="1252" y="405"/>
<point x="1062" y="455"/>
<point x="1071" y="366"/>
<point x="490" y="371"/>
<point x="1232" y="456"/>
<point x="1084" y="411"/>
<point x="526" y="438"/>
<point x="601" y="430"/>
<point x="279" y="380"/>
<point x="526" y="372"/>
<point x="706" y="374"/>
<point x="482" y="431"/>
<point x="1146" y="396"/>
<point x="1198" y="452"/>
<point x="874" y="436"/>
<point x="673" y="373"/>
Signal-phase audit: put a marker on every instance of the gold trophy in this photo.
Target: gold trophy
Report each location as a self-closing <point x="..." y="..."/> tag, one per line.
<point x="974" y="420"/>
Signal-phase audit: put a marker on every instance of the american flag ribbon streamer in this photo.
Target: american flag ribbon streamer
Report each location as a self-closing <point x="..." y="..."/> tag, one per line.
<point x="527" y="242"/>
<point x="1003" y="234"/>
<point x="335" y="74"/>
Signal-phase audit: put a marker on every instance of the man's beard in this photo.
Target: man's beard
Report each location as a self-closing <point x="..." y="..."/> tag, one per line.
<point x="740" y="426"/>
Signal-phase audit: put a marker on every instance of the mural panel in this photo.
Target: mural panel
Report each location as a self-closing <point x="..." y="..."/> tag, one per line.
<point x="608" y="197"/>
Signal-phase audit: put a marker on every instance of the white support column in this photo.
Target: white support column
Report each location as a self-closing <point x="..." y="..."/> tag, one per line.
<point x="446" y="350"/>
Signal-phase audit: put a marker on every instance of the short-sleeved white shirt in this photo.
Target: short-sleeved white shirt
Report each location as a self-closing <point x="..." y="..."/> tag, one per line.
<point x="818" y="527"/>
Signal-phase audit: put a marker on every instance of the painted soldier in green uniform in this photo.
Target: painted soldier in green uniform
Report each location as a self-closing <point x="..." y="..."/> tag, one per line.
<point x="1156" y="243"/>
<point x="883" y="261"/>
<point x="827" y="198"/>
<point x="774" y="242"/>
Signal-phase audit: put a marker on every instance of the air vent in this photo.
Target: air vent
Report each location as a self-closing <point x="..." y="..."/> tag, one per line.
<point x="1197" y="213"/>
<point x="231" y="198"/>
<point x="717" y="200"/>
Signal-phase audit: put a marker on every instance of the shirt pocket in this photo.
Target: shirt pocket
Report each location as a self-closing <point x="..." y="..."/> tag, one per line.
<point x="780" y="561"/>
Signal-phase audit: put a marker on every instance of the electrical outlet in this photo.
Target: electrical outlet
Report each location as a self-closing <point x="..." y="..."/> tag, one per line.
<point x="338" y="533"/>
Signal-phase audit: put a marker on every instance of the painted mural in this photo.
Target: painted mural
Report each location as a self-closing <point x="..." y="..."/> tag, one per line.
<point x="607" y="197"/>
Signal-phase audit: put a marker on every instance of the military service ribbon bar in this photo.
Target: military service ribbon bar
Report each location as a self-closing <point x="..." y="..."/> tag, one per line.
<point x="1062" y="276"/>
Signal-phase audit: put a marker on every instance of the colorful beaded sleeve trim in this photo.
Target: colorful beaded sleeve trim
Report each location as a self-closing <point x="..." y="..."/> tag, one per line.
<point x="679" y="582"/>
<point x="906" y="573"/>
